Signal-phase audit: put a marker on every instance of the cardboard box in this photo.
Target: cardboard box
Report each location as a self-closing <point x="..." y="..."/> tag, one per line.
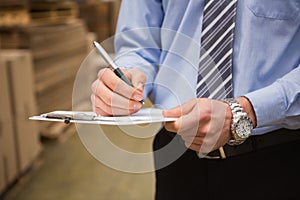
<point x="19" y="71"/>
<point x="8" y="156"/>
<point x="2" y="177"/>
<point x="57" y="52"/>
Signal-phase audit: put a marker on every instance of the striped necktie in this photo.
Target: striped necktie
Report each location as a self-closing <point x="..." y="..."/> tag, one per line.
<point x="214" y="76"/>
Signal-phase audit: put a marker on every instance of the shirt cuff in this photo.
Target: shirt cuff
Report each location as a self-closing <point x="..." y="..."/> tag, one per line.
<point x="268" y="104"/>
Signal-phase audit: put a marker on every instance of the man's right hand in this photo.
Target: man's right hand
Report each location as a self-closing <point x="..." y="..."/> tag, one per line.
<point x="112" y="96"/>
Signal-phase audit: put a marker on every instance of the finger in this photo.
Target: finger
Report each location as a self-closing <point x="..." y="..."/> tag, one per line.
<point x="117" y="85"/>
<point x="193" y="130"/>
<point x="137" y="78"/>
<point x="170" y="126"/>
<point x="178" y="127"/>
<point x="196" y="140"/>
<point x="96" y="109"/>
<point x="95" y="86"/>
<point x="191" y="136"/>
<point x="188" y="122"/>
<point x="192" y="146"/>
<point x="100" y="112"/>
<point x="200" y="137"/>
<point x="199" y="148"/>
<point x="120" y="105"/>
<point x="183" y="126"/>
<point x="180" y="110"/>
<point x="113" y="99"/>
<point x="101" y="108"/>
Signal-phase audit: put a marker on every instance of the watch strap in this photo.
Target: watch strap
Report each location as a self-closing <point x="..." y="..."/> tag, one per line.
<point x="238" y="114"/>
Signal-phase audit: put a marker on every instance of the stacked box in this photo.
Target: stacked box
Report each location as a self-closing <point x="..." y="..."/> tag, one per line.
<point x="58" y="51"/>
<point x="52" y="12"/>
<point x="8" y="156"/>
<point x="20" y="136"/>
<point x="14" y="13"/>
<point x="100" y="16"/>
<point x="13" y="3"/>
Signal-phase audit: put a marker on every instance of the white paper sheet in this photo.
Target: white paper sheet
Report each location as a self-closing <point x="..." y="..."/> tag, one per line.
<point x="144" y="116"/>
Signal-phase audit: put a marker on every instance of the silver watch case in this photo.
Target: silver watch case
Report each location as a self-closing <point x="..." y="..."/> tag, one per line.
<point x="241" y="126"/>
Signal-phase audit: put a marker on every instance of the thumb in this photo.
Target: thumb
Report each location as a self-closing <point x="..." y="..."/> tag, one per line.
<point x="180" y="110"/>
<point x="138" y="78"/>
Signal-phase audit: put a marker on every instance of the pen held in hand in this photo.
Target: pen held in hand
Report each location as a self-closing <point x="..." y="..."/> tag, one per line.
<point x="111" y="63"/>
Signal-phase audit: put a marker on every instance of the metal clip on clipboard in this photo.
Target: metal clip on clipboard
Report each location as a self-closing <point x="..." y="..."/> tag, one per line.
<point x="67" y="116"/>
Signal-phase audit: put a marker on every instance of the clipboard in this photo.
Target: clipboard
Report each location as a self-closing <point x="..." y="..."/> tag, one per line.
<point x="144" y="116"/>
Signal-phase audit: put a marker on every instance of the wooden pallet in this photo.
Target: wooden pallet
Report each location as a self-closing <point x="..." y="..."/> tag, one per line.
<point x="53" y="12"/>
<point x="12" y="17"/>
<point x="13" y="3"/>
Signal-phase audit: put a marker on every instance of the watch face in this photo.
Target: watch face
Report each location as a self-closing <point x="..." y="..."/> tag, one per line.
<point x="243" y="128"/>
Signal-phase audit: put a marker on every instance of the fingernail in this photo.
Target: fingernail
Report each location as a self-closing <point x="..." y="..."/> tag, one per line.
<point x="138" y="97"/>
<point x="140" y="85"/>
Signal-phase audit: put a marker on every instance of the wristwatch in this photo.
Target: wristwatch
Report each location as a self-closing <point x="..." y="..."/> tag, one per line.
<point x="241" y="125"/>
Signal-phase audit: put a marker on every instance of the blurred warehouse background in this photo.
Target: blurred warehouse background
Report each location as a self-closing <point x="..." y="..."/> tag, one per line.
<point x="42" y="45"/>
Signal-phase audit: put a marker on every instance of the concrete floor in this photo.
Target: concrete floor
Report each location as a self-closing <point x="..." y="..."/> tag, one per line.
<point x="69" y="171"/>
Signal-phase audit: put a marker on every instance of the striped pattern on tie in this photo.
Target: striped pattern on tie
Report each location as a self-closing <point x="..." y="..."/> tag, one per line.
<point x="214" y="76"/>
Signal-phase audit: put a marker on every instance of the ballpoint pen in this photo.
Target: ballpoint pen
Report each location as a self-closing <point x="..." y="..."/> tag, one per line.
<point x="113" y="65"/>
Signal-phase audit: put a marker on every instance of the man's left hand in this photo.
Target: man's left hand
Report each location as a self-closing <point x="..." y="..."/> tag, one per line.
<point x="203" y="124"/>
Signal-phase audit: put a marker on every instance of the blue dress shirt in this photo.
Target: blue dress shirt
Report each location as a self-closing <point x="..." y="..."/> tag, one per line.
<point x="162" y="38"/>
